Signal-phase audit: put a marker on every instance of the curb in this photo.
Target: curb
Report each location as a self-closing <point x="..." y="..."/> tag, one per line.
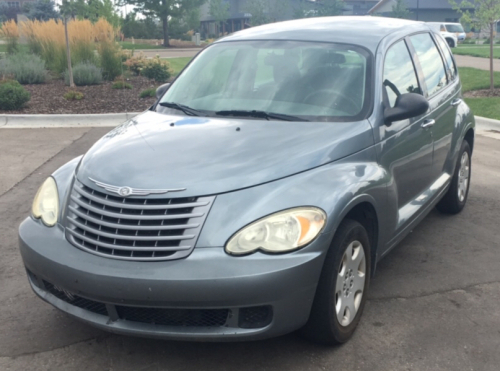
<point x="64" y="121"/>
<point x="486" y="124"/>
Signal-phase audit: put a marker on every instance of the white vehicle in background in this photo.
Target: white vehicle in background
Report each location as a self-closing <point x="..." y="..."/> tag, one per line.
<point x="452" y="32"/>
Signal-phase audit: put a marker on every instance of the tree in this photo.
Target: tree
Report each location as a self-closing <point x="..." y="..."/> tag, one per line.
<point x="219" y="10"/>
<point x="400" y="10"/>
<point x="41" y="10"/>
<point x="146" y="28"/>
<point x="486" y="15"/>
<point x="165" y="10"/>
<point x="95" y="9"/>
<point x="8" y="12"/>
<point x="267" y="11"/>
<point x="68" y="10"/>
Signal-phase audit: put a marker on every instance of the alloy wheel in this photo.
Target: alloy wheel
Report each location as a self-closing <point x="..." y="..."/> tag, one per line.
<point x="463" y="176"/>
<point x="350" y="284"/>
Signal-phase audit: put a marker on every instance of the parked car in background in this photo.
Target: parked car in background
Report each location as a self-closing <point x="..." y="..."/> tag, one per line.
<point x="453" y="33"/>
<point x="258" y="194"/>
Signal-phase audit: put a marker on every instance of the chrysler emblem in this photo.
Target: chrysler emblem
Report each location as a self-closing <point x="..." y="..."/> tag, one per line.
<point x="125" y="191"/>
<point x="128" y="191"/>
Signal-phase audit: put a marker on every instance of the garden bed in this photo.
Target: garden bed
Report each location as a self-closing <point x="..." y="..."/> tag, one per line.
<point x="483" y="93"/>
<point x="48" y="98"/>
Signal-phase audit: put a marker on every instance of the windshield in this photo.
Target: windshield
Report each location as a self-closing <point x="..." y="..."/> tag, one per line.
<point x="304" y="80"/>
<point x="454" y="28"/>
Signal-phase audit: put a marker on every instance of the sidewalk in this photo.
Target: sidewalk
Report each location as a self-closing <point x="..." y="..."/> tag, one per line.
<point x="475" y="62"/>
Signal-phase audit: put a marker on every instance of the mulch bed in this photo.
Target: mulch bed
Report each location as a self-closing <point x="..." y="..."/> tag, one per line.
<point x="482" y="93"/>
<point x="48" y="98"/>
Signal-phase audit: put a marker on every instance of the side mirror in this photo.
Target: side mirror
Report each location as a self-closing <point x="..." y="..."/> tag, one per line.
<point x="161" y="90"/>
<point x="407" y="106"/>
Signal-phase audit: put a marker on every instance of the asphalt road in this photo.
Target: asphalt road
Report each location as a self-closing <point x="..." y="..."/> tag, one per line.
<point x="433" y="305"/>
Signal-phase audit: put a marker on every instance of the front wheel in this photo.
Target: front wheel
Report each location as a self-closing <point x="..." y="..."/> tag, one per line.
<point x="341" y="293"/>
<point x="454" y="200"/>
<point x="451" y="43"/>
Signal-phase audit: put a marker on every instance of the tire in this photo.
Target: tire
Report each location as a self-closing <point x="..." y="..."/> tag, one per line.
<point x="455" y="198"/>
<point x="451" y="43"/>
<point x="324" y="325"/>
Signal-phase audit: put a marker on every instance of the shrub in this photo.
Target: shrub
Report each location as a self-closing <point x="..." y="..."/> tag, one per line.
<point x="135" y="64"/>
<point x="73" y="95"/>
<point x="121" y="85"/>
<point x="110" y="58"/>
<point x="12" y="95"/>
<point x="10" y="32"/>
<point x="25" y="68"/>
<point x="85" y="74"/>
<point x="48" y="40"/>
<point x="148" y="93"/>
<point x="156" y="69"/>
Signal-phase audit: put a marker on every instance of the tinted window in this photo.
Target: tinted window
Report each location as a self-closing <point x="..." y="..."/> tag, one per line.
<point x="450" y="66"/>
<point x="399" y="73"/>
<point x="454" y="28"/>
<point x="314" y="81"/>
<point x="430" y="61"/>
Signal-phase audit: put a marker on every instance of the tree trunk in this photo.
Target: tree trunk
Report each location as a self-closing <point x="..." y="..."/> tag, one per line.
<point x="492" y="83"/>
<point x="68" y="54"/>
<point x="165" y="32"/>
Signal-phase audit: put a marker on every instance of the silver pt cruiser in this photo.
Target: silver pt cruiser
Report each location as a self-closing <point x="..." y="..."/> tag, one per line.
<point x="257" y="195"/>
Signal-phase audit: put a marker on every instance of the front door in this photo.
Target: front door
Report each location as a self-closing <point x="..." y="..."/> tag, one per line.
<point x="406" y="146"/>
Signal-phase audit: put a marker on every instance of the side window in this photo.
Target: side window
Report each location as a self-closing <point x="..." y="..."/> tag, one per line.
<point x="399" y="73"/>
<point x="451" y="70"/>
<point x="430" y="61"/>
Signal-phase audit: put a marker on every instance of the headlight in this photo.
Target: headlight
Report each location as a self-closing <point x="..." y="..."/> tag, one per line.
<point x="46" y="203"/>
<point x="281" y="232"/>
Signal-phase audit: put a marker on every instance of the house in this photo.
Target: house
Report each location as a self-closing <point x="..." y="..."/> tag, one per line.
<point x="16" y="4"/>
<point x="421" y="10"/>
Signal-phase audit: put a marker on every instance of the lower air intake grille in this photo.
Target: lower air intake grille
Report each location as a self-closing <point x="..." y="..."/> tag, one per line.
<point x="175" y="317"/>
<point x="255" y="317"/>
<point x="90" y="305"/>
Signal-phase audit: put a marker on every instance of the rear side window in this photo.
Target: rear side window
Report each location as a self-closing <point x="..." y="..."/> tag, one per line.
<point x="430" y="61"/>
<point x="451" y="70"/>
<point x="399" y="73"/>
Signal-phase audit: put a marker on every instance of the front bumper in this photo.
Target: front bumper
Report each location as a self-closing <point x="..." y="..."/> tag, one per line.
<point x="208" y="279"/>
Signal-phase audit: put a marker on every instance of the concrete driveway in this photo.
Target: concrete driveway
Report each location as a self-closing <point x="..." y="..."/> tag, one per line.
<point x="433" y="305"/>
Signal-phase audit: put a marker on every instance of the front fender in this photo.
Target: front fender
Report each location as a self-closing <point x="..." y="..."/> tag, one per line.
<point x="335" y="188"/>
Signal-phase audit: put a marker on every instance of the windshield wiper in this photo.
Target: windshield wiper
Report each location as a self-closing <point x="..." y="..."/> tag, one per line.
<point x="187" y="110"/>
<point x="260" y="114"/>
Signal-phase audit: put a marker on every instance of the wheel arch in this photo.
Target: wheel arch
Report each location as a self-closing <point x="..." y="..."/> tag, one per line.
<point x="469" y="137"/>
<point x="363" y="210"/>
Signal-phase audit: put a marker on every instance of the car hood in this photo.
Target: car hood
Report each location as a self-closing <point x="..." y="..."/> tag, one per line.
<point x="208" y="156"/>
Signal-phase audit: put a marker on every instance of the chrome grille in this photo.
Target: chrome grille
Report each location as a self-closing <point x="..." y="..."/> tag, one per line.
<point x="143" y="229"/>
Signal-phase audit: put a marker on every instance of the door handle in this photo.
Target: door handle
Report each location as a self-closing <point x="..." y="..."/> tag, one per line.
<point x="428" y="123"/>
<point x="456" y="101"/>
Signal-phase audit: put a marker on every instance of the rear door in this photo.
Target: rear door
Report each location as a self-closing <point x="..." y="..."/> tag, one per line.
<point x="442" y="89"/>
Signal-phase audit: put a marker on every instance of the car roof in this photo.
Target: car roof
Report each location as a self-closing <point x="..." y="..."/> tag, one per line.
<point x="366" y="31"/>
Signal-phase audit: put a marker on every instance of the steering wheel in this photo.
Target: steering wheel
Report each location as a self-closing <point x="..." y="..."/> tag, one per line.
<point x="329" y="93"/>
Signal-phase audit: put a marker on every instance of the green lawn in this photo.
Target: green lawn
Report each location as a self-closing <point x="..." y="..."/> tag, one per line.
<point x="474" y="79"/>
<point x="477" y="51"/>
<point x="129" y="45"/>
<point x="22" y="47"/>
<point x="485" y="107"/>
<point x="178" y="64"/>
